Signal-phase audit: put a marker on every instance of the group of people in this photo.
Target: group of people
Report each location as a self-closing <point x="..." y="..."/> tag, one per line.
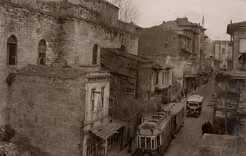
<point x="207" y="128"/>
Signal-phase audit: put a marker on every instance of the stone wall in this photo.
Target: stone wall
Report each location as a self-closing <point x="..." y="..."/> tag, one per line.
<point x="49" y="111"/>
<point x="69" y="36"/>
<point x="29" y="28"/>
<point x="81" y="37"/>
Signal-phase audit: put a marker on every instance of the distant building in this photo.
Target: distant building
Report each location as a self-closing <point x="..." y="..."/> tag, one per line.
<point x="177" y="43"/>
<point x="223" y="53"/>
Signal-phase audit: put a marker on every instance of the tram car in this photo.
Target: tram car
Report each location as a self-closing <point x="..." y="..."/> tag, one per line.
<point x="154" y="135"/>
<point x="194" y="105"/>
<point x="176" y="110"/>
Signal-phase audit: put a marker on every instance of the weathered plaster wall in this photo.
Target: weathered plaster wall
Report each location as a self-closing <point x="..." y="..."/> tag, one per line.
<point x="49" y="112"/>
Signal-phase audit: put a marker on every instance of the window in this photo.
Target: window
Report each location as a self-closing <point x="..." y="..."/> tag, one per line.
<point x="142" y="142"/>
<point x="94" y="55"/>
<point x="148" y="142"/>
<point x="93" y="92"/>
<point x="163" y="77"/>
<point x="42" y="52"/>
<point x="102" y="95"/>
<point x="167" y="77"/>
<point x="242" y="45"/>
<point x="12" y="50"/>
<point x="156" y="77"/>
<point x="223" y="50"/>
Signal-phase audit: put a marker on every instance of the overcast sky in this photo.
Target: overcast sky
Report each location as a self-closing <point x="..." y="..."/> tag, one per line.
<point x="217" y="13"/>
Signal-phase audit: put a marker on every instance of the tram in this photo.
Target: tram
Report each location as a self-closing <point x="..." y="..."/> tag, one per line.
<point x="154" y="135"/>
<point x="176" y="110"/>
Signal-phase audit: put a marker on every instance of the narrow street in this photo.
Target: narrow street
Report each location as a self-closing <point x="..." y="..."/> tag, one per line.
<point x="187" y="140"/>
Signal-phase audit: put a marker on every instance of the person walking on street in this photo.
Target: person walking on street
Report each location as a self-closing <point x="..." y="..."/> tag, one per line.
<point x="210" y="128"/>
<point x="203" y="128"/>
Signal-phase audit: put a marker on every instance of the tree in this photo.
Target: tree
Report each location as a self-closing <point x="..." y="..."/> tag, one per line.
<point x="128" y="10"/>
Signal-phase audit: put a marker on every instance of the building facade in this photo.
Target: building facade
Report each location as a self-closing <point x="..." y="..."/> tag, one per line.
<point x="52" y="48"/>
<point x="177" y="43"/>
<point x="223" y="53"/>
<point x="230" y="106"/>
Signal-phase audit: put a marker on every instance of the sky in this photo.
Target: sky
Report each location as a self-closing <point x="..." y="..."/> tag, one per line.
<point x="217" y="13"/>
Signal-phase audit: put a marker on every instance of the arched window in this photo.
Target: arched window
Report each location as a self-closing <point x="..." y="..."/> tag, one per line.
<point x="94" y="55"/>
<point x="42" y="52"/>
<point x="12" y="50"/>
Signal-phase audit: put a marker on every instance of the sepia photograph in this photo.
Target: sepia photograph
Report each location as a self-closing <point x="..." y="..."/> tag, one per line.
<point x="122" y="77"/>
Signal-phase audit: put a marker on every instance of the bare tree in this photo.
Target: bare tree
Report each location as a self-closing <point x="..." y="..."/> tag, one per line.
<point x="128" y="10"/>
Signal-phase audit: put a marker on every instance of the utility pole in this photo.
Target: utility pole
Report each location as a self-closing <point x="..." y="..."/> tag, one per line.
<point x="226" y="128"/>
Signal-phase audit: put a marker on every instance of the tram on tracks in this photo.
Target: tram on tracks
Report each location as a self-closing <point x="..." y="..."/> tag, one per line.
<point x="177" y="112"/>
<point x="155" y="134"/>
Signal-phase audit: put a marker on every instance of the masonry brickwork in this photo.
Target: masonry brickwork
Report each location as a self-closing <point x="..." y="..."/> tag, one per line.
<point x="50" y="111"/>
<point x="69" y="30"/>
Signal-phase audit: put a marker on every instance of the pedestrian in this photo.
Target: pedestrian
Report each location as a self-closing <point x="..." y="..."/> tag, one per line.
<point x="210" y="128"/>
<point x="206" y="127"/>
<point x="203" y="128"/>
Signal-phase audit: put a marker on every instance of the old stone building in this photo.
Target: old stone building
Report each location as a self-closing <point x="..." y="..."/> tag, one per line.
<point x="138" y="86"/>
<point x="177" y="43"/>
<point x="49" y="106"/>
<point x="51" y="81"/>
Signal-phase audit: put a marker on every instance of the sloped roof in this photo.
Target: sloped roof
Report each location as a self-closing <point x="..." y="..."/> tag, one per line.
<point x="114" y="69"/>
<point x="128" y="55"/>
<point x="240" y="26"/>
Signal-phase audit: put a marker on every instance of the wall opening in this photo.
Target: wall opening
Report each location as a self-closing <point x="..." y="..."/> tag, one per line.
<point x="95" y="54"/>
<point x="42" y="52"/>
<point x="12" y="50"/>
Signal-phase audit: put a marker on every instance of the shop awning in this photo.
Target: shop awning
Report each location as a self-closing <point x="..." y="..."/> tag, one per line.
<point x="107" y="130"/>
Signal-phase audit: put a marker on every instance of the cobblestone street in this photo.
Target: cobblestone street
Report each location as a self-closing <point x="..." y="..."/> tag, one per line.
<point x="187" y="140"/>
